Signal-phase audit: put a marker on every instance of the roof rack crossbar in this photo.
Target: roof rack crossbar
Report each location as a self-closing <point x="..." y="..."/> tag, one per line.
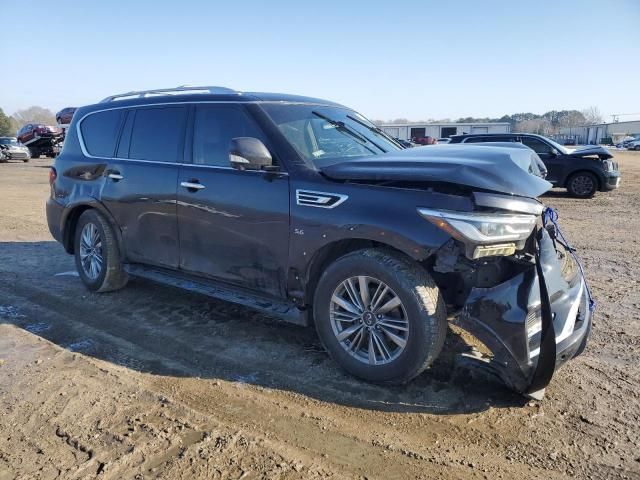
<point x="183" y="89"/>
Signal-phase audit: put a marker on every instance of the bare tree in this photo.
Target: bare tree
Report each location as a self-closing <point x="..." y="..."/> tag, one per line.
<point x="592" y="115"/>
<point x="35" y="114"/>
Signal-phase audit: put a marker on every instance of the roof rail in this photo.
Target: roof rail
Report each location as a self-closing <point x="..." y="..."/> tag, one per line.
<point x="181" y="90"/>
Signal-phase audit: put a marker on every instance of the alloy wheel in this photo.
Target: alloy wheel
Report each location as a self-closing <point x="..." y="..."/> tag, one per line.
<point x="369" y="320"/>
<point x="582" y="185"/>
<point x="91" y="257"/>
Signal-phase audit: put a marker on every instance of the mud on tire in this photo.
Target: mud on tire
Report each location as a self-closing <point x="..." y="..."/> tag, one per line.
<point x="420" y="299"/>
<point x="111" y="275"/>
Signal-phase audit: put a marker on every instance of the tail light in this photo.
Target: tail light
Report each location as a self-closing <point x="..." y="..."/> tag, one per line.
<point x="52" y="176"/>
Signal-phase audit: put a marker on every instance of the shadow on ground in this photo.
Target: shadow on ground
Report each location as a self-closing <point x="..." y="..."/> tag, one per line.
<point x="160" y="330"/>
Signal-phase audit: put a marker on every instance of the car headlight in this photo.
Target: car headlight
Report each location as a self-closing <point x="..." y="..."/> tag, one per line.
<point x="608" y="165"/>
<point x="484" y="234"/>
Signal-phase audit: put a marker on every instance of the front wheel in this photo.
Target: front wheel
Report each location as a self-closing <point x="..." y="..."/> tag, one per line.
<point x="97" y="253"/>
<point x="582" y="185"/>
<point x="380" y="316"/>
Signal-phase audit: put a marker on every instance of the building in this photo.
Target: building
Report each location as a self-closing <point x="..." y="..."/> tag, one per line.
<point x="442" y="130"/>
<point x="593" y="134"/>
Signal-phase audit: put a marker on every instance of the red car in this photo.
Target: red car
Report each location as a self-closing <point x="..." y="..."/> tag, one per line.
<point x="35" y="131"/>
<point x="64" y="116"/>
<point x="424" y="140"/>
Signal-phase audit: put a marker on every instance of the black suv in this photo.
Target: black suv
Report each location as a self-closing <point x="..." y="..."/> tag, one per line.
<point x="582" y="171"/>
<point x="305" y="209"/>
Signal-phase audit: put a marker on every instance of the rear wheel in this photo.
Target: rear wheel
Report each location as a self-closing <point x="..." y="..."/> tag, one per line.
<point x="97" y="254"/>
<point x="380" y="316"/>
<point x="34" y="153"/>
<point x="582" y="185"/>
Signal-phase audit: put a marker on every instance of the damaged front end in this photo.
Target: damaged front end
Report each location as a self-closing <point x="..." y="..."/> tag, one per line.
<point x="531" y="308"/>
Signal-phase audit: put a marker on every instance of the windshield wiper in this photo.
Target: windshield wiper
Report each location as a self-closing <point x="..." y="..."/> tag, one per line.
<point x="362" y="140"/>
<point x="375" y="129"/>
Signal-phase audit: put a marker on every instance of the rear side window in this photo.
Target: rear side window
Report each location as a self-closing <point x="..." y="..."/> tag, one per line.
<point x="476" y="140"/>
<point x="157" y="134"/>
<point x="100" y="132"/>
<point x="213" y="129"/>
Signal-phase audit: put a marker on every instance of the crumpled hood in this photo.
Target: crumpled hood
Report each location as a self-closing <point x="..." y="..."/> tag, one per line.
<point x="590" y="151"/>
<point x="498" y="169"/>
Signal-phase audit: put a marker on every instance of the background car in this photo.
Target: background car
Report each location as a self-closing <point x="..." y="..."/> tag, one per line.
<point x="582" y="171"/>
<point x="64" y="116"/>
<point x="424" y="140"/>
<point x="12" y="150"/>
<point x="404" y="143"/>
<point x="635" y="145"/>
<point x="443" y="140"/>
<point x="33" y="131"/>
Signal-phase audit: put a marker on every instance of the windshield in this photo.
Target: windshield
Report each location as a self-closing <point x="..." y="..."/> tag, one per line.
<point x="8" y="141"/>
<point x="324" y="135"/>
<point x="558" y="147"/>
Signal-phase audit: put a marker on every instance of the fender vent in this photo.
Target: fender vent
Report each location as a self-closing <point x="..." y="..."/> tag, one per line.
<point x="310" y="198"/>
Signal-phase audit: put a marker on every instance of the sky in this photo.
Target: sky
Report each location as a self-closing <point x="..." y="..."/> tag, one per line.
<point x="412" y="59"/>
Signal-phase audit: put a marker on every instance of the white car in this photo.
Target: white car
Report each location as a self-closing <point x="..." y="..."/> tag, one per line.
<point x="12" y="150"/>
<point x="635" y="145"/>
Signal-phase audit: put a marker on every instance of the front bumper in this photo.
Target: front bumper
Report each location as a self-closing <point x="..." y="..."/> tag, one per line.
<point x="19" y="154"/>
<point x="507" y="319"/>
<point x="611" y="180"/>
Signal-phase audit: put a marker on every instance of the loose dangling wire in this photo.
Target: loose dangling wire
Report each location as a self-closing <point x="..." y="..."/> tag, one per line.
<point x="550" y="215"/>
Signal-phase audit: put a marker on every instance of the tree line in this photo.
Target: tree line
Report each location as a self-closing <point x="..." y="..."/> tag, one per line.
<point x="545" y="124"/>
<point x="9" y="125"/>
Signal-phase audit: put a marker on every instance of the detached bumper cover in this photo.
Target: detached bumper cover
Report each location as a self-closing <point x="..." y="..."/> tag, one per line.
<point x="507" y="318"/>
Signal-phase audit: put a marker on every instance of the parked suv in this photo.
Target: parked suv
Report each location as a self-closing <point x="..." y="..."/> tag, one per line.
<point x="582" y="171"/>
<point x="303" y="208"/>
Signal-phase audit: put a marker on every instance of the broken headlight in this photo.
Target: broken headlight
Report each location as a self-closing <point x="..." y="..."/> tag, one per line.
<point x="484" y="234"/>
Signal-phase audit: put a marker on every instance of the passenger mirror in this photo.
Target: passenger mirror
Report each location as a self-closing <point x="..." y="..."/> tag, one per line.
<point x="248" y="153"/>
<point x="554" y="152"/>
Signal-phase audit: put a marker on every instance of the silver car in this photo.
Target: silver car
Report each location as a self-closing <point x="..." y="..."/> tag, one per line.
<point x="12" y="150"/>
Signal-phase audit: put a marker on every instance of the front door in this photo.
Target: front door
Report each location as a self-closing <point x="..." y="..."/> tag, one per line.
<point x="234" y="225"/>
<point x="141" y="182"/>
<point x="553" y="161"/>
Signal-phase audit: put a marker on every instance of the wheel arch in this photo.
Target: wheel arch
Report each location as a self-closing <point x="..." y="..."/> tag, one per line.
<point x="70" y="222"/>
<point x="336" y="249"/>
<point x="595" y="173"/>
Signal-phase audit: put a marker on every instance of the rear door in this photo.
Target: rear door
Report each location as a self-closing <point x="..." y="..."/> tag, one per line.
<point x="234" y="225"/>
<point x="141" y="177"/>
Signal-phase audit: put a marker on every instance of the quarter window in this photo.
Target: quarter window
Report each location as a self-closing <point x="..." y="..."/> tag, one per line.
<point x="213" y="130"/>
<point x="157" y="134"/>
<point x="100" y="132"/>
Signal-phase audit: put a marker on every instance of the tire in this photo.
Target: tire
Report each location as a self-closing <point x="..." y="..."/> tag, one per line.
<point x="582" y="185"/>
<point x="25" y="160"/>
<point x="422" y="310"/>
<point x="636" y="148"/>
<point x="110" y="276"/>
<point x="34" y="153"/>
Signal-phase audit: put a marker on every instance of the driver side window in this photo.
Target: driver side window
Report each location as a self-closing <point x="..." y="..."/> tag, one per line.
<point x="213" y="129"/>
<point x="536" y="145"/>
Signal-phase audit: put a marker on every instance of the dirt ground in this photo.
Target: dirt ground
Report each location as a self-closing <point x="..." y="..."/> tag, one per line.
<point x="152" y="382"/>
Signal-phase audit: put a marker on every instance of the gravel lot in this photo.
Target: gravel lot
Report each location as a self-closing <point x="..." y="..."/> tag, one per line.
<point x="152" y="382"/>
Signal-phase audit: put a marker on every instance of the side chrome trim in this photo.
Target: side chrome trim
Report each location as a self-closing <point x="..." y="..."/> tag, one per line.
<point x="310" y="198"/>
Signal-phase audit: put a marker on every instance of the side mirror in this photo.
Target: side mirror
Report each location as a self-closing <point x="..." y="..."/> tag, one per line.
<point x="554" y="152"/>
<point x="248" y="153"/>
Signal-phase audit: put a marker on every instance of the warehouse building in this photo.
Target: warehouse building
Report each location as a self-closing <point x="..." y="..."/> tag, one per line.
<point x="442" y="130"/>
<point x="594" y="134"/>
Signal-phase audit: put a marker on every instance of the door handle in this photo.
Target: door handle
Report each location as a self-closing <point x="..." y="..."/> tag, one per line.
<point x="192" y="185"/>
<point x="115" y="176"/>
